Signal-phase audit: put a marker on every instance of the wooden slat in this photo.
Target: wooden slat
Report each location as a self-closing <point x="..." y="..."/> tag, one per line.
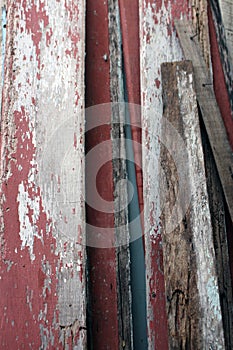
<point x="226" y="8"/>
<point x="158" y="43"/>
<point x="210" y="111"/>
<point x="193" y="305"/>
<point x="43" y="293"/>
<point x="221" y="244"/>
<point x="120" y="191"/>
<point x="103" y="302"/>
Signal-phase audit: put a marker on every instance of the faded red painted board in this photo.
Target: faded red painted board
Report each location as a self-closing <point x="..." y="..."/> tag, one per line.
<point x="129" y="12"/>
<point x="42" y="266"/>
<point x="158" y="44"/>
<point x="103" y="313"/>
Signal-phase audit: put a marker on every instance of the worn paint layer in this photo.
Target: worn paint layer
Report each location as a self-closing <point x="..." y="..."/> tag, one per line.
<point x="42" y="176"/>
<point x="158" y="44"/>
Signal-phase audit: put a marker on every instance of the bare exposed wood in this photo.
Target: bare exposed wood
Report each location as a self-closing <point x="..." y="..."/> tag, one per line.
<point x="221" y="12"/>
<point x="210" y="111"/>
<point x="120" y="179"/>
<point x="216" y="202"/>
<point x="193" y="305"/>
<point x="200" y="23"/>
<point x="226" y="8"/>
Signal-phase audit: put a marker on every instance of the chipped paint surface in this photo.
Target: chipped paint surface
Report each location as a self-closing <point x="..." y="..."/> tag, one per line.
<point x="158" y="44"/>
<point x="42" y="175"/>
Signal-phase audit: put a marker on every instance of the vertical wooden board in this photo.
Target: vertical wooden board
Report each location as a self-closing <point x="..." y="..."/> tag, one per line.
<point x="158" y="43"/>
<point x="120" y="190"/>
<point x="226" y="8"/>
<point x="200" y="23"/>
<point x="129" y="12"/>
<point x="102" y="261"/>
<point x="221" y="55"/>
<point x="42" y="177"/>
<point x="193" y="303"/>
<point x="221" y="242"/>
<point x="222" y="68"/>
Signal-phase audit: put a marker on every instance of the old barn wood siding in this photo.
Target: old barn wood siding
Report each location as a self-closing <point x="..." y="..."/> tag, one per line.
<point x="43" y="297"/>
<point x="222" y="62"/>
<point x="193" y="305"/>
<point x="200" y="23"/>
<point x="158" y="44"/>
<point x="108" y="265"/>
<point x="218" y="219"/>
<point x="210" y="112"/>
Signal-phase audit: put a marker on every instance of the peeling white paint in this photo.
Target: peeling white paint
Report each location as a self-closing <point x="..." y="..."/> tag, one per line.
<point x="156" y="47"/>
<point x="28" y="227"/>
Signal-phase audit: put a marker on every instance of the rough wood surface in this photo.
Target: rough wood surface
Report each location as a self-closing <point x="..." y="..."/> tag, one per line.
<point x="158" y="44"/>
<point x="43" y="294"/>
<point x="193" y="305"/>
<point x="221" y="12"/>
<point x="226" y="8"/>
<point x="200" y="23"/>
<point x="119" y="164"/>
<point x="218" y="219"/>
<point x="210" y="112"/>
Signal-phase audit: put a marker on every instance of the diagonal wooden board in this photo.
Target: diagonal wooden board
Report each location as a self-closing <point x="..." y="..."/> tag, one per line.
<point x="209" y="109"/>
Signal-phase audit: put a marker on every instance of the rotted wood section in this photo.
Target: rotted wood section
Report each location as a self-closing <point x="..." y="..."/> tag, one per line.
<point x="193" y="304"/>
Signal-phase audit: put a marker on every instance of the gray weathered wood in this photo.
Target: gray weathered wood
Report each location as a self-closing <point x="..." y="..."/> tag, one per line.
<point x="217" y="210"/>
<point x="210" y="111"/>
<point x="193" y="304"/>
<point x="120" y="180"/>
<point x="222" y="16"/>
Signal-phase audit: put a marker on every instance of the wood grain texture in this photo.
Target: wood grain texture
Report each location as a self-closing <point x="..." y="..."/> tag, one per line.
<point x="193" y="305"/>
<point x="226" y="8"/>
<point x="220" y="239"/>
<point x="43" y="294"/>
<point x="210" y="112"/>
<point x="200" y="23"/>
<point x="223" y="42"/>
<point x="158" y="44"/>
<point x="119" y="165"/>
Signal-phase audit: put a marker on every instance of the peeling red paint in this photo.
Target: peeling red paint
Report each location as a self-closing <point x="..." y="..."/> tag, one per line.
<point x="28" y="270"/>
<point x="35" y="18"/>
<point x="102" y="262"/>
<point x="23" y="270"/>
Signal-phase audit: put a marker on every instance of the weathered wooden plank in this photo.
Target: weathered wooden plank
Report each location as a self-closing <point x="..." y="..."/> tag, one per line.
<point x="218" y="32"/>
<point x="102" y="256"/>
<point x="210" y="112"/>
<point x="218" y="219"/>
<point x="193" y="305"/>
<point x="43" y="297"/>
<point x="3" y="43"/>
<point x="222" y="74"/>
<point x="129" y="13"/>
<point x="200" y="23"/>
<point x="226" y="8"/>
<point x="119" y="164"/>
<point x="158" y="43"/>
